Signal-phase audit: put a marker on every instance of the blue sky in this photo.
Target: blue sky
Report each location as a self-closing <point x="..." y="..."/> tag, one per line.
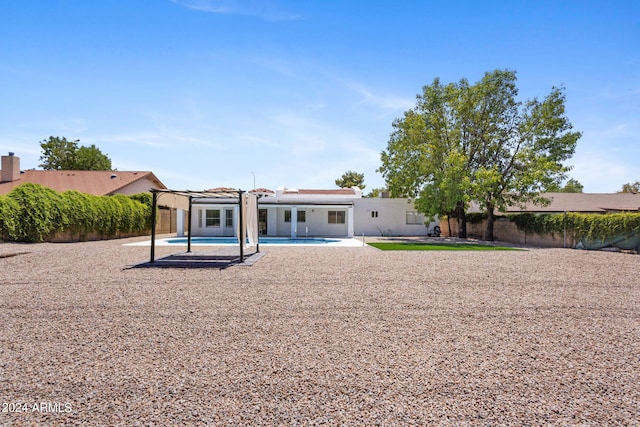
<point x="209" y="93"/>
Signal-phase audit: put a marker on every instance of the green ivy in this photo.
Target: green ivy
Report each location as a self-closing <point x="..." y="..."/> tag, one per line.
<point x="33" y="213"/>
<point x="589" y="226"/>
<point x="9" y="219"/>
<point x="476" y="217"/>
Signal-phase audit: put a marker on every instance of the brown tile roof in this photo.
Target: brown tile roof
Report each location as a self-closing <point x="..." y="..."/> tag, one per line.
<point x="584" y="202"/>
<point x="262" y="191"/>
<point x="91" y="182"/>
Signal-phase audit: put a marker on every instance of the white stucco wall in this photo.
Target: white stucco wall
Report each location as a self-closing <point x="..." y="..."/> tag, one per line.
<point x="198" y="223"/>
<point x="316" y="222"/>
<point x="390" y="219"/>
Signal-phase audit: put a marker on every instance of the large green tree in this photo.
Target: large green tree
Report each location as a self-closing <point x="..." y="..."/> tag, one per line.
<point x="62" y="154"/>
<point x="476" y="142"/>
<point x="631" y="188"/>
<point x="351" y="179"/>
<point x="571" y="186"/>
<point x="91" y="158"/>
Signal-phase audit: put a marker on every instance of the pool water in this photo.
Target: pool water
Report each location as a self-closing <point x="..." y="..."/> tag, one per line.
<point x="263" y="240"/>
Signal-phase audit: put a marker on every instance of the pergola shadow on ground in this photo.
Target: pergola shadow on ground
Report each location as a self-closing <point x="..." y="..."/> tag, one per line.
<point x="219" y="258"/>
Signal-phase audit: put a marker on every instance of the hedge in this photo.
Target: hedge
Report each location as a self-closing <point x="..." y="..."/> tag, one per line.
<point x="584" y="226"/>
<point x="34" y="213"/>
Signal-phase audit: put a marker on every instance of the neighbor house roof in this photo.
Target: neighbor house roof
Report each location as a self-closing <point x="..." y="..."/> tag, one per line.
<point x="339" y="191"/>
<point x="100" y="183"/>
<point x="581" y="202"/>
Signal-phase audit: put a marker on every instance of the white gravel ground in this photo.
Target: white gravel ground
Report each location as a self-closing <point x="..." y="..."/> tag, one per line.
<point x="319" y="336"/>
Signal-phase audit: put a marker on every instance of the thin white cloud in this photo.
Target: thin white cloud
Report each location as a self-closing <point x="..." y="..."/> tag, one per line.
<point x="256" y="140"/>
<point x="386" y="103"/>
<point x="261" y="9"/>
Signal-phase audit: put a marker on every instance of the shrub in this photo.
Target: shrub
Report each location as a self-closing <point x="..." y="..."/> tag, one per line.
<point x="9" y="219"/>
<point x="589" y="226"/>
<point x="39" y="210"/>
<point x="33" y="213"/>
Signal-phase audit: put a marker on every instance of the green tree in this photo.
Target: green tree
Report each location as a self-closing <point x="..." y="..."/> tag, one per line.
<point x="631" y="188"/>
<point x="91" y="158"/>
<point x="466" y="142"/>
<point x="375" y="192"/>
<point x="61" y="154"/>
<point x="58" y="153"/>
<point x="571" y="186"/>
<point x="351" y="179"/>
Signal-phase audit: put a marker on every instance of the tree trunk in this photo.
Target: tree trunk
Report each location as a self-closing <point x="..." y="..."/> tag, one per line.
<point x="462" y="220"/>
<point x="488" y="233"/>
<point x="449" y="224"/>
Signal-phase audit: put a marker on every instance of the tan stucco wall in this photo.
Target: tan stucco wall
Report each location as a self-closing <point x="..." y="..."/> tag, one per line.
<point x="506" y="231"/>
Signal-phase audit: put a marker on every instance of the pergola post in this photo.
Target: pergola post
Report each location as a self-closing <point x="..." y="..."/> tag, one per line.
<point x="189" y="225"/>
<point x="154" y="205"/>
<point x="257" y="223"/>
<point x="241" y="225"/>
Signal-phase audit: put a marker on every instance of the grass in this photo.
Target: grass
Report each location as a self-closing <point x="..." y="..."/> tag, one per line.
<point x="416" y="246"/>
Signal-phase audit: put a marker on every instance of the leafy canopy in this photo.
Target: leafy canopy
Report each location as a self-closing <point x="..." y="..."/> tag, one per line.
<point x="61" y="154"/>
<point x="467" y="142"/>
<point x="631" y="188"/>
<point x="571" y="186"/>
<point x="351" y="179"/>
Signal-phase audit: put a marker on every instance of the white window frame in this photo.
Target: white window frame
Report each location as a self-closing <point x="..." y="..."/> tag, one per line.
<point x="414" y="218"/>
<point x="228" y="218"/>
<point x="213" y="218"/>
<point x="337" y="217"/>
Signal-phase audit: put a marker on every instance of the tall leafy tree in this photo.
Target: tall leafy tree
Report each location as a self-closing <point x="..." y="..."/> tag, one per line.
<point x="477" y="142"/>
<point x="58" y="153"/>
<point x="62" y="154"/>
<point x="428" y="157"/>
<point x="351" y="179"/>
<point x="571" y="186"/>
<point x="631" y="188"/>
<point x="91" y="158"/>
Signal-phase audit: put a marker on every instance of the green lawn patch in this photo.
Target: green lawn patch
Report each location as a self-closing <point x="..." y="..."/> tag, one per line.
<point x="417" y="246"/>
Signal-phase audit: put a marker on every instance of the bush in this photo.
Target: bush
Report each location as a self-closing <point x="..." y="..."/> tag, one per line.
<point x="33" y="213"/>
<point x="9" y="219"/>
<point x="39" y="210"/>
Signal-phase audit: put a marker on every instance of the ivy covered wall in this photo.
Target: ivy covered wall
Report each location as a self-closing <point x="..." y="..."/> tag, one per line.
<point x="34" y="213"/>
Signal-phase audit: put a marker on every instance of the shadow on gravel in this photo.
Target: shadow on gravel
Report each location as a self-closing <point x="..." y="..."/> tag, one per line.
<point x="201" y="260"/>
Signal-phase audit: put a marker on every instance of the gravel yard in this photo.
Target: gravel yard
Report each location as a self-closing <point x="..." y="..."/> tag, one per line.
<point x="319" y="336"/>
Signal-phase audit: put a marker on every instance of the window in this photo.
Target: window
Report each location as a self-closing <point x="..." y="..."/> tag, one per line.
<point x="415" y="217"/>
<point x="337" y="217"/>
<point x="212" y="217"/>
<point x="302" y="216"/>
<point x="228" y="218"/>
<point x="374" y="214"/>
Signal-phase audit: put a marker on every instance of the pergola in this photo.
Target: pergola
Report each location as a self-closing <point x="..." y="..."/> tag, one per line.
<point x="184" y="199"/>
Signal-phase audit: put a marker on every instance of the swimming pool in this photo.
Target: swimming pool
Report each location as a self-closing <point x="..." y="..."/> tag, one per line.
<point x="264" y="241"/>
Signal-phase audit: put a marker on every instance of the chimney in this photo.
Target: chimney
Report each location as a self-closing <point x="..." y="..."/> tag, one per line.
<point x="10" y="168"/>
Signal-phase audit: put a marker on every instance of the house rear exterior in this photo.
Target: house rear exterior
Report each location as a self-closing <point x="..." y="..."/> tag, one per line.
<point x="295" y="213"/>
